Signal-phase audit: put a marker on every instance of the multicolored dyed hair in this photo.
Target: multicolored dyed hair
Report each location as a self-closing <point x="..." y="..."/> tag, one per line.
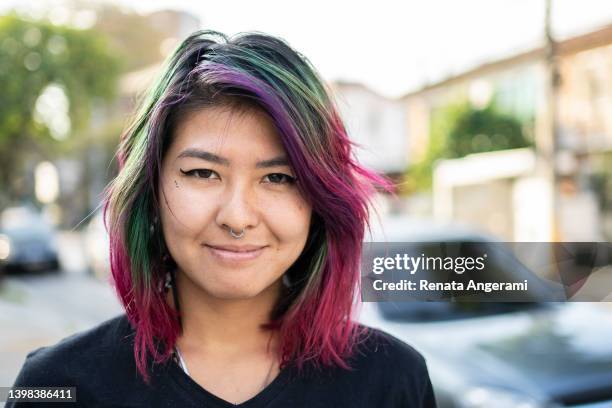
<point x="314" y="314"/>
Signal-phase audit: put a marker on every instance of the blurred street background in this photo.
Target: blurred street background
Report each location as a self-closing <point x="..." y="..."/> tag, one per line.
<point x="40" y="308"/>
<point x="493" y="115"/>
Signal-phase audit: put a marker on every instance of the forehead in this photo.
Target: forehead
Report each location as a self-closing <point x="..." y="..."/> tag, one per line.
<point x="228" y="131"/>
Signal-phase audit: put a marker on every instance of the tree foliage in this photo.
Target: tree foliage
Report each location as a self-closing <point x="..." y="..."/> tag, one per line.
<point x="34" y="55"/>
<point x="460" y="129"/>
<point x="484" y="130"/>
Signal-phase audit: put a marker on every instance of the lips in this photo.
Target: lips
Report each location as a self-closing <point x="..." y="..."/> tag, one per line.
<point x="235" y="253"/>
<point x="237" y="248"/>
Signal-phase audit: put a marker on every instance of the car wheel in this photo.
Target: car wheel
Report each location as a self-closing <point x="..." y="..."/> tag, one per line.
<point x="54" y="266"/>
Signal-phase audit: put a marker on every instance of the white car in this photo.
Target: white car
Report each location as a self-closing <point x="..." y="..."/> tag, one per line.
<point x="97" y="245"/>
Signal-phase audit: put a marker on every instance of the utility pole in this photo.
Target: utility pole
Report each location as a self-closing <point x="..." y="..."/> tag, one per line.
<point x="547" y="137"/>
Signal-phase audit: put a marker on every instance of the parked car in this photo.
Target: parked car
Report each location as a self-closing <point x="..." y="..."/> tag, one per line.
<point x="500" y="355"/>
<point x="27" y="241"/>
<point x="97" y="247"/>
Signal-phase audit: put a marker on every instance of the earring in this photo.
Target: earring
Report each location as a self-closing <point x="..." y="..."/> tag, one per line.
<point x="168" y="282"/>
<point x="153" y="225"/>
<point x="286" y="280"/>
<point x="165" y="284"/>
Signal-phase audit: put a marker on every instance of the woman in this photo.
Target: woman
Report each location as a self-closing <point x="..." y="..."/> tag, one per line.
<point x="236" y="224"/>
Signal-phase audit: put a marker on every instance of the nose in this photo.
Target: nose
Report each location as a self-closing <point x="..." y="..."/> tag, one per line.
<point x="238" y="209"/>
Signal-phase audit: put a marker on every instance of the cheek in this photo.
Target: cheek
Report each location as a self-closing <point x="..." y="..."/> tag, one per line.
<point x="289" y="218"/>
<point x="184" y="210"/>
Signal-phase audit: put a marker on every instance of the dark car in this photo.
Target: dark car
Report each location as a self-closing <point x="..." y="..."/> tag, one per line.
<point x="501" y="355"/>
<point x="27" y="241"/>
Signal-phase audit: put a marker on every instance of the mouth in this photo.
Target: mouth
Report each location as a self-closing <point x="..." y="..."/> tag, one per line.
<point x="235" y="253"/>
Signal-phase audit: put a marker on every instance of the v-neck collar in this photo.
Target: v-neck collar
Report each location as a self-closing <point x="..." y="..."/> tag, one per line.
<point x="202" y="395"/>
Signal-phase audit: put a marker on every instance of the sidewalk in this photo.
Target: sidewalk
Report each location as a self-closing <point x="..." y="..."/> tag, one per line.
<point x="40" y="309"/>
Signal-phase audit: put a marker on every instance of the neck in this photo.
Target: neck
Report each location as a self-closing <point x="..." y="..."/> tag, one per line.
<point x="223" y="326"/>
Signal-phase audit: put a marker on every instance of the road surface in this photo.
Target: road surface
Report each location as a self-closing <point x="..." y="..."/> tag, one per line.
<point x="39" y="309"/>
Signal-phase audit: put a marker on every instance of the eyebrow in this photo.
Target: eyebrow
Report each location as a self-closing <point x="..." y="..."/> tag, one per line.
<point x="213" y="158"/>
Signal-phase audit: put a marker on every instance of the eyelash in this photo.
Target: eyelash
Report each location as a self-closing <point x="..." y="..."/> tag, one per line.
<point x="192" y="173"/>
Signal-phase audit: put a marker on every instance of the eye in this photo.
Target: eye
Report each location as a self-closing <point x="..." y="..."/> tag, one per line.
<point x="280" y="178"/>
<point x="200" y="173"/>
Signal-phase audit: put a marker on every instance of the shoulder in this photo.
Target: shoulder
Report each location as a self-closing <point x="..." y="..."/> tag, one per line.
<point x="397" y="367"/>
<point x="379" y="348"/>
<point x="84" y="353"/>
<point x="383" y="371"/>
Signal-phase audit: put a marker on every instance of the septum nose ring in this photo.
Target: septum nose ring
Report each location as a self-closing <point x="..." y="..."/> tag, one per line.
<point x="234" y="235"/>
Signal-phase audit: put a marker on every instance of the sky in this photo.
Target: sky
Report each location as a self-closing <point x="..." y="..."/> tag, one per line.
<point x="394" y="46"/>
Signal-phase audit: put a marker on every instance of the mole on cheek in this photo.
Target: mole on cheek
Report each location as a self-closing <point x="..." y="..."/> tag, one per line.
<point x="176" y="184"/>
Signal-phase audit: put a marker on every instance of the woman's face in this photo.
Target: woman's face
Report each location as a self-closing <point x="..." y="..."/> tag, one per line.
<point x="228" y="169"/>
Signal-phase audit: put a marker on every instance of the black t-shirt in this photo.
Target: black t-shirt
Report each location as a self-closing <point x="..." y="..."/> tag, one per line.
<point x="100" y="364"/>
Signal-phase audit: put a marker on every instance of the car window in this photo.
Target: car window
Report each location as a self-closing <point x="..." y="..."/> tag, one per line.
<point x="22" y="219"/>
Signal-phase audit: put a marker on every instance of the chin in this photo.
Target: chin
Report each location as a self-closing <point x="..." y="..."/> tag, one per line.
<point x="233" y="292"/>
